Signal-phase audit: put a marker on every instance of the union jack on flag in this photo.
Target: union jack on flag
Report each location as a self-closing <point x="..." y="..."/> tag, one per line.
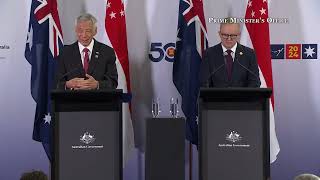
<point x="194" y="13"/>
<point x="190" y="45"/>
<point x="47" y="11"/>
<point x="44" y="42"/>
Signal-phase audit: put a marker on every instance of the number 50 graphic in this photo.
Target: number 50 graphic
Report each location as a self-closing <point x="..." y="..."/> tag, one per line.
<point x="158" y="52"/>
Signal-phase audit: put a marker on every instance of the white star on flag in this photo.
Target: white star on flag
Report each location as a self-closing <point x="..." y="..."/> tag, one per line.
<point x="112" y="15"/>
<point x="250" y="3"/>
<point x="30" y="37"/>
<point x="47" y="118"/>
<point x="262" y="11"/>
<point x="122" y="13"/>
<point x="309" y="51"/>
<point x="265" y="1"/>
<point x="108" y="5"/>
<point x="252" y="13"/>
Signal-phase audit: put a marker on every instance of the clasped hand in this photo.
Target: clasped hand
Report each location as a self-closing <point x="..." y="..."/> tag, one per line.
<point x="82" y="83"/>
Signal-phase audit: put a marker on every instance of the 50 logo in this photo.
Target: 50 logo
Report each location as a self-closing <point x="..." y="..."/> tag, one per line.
<point x="159" y="51"/>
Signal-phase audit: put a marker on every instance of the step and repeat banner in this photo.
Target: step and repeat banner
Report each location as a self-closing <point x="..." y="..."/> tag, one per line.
<point x="151" y="30"/>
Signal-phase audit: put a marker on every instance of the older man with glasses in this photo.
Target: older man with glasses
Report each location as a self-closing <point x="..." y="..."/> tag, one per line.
<point x="229" y="64"/>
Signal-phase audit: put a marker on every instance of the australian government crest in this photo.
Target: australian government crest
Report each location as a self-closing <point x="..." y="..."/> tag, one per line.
<point x="234" y="139"/>
<point x="87" y="138"/>
<point x="87" y="142"/>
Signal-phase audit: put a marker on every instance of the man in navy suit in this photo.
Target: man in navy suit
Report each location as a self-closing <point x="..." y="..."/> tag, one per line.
<point x="229" y="64"/>
<point x="86" y="64"/>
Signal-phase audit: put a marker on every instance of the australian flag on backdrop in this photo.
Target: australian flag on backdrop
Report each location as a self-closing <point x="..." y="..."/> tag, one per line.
<point x="44" y="42"/>
<point x="190" y="44"/>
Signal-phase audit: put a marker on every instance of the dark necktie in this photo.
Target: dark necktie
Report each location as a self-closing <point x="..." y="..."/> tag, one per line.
<point x="86" y="59"/>
<point x="229" y="62"/>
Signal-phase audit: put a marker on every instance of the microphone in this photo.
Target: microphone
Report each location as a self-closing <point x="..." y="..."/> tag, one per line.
<point x="68" y="73"/>
<point x="213" y="73"/>
<point x="251" y="72"/>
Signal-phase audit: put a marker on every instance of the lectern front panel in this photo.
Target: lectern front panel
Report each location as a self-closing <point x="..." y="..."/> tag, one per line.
<point x="233" y="141"/>
<point x="235" y="149"/>
<point x="88" y="145"/>
<point x="234" y="134"/>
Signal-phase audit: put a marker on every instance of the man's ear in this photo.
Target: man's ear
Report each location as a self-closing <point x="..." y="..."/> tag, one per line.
<point x="95" y="31"/>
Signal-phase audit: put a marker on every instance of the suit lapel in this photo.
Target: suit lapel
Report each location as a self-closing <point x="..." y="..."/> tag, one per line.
<point x="221" y="61"/>
<point x="239" y="52"/>
<point x="94" y="57"/>
<point x="237" y="57"/>
<point x="77" y="57"/>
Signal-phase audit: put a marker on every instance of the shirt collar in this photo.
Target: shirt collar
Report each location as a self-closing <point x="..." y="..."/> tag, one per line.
<point x="233" y="49"/>
<point x="90" y="46"/>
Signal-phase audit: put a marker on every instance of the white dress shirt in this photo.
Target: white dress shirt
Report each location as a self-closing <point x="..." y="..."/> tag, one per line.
<point x="233" y="49"/>
<point x="81" y="47"/>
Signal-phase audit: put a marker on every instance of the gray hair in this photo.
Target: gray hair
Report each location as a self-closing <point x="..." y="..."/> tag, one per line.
<point x="87" y="17"/>
<point x="307" y="177"/>
<point x="230" y="20"/>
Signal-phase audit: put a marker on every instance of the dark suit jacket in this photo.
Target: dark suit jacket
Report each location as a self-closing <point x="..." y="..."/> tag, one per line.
<point x="213" y="72"/>
<point x="102" y="65"/>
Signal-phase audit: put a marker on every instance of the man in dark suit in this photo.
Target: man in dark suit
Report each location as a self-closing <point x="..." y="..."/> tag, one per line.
<point x="229" y="64"/>
<point x="86" y="64"/>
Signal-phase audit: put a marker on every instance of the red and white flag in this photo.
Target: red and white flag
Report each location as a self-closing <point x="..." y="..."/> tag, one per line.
<point x="115" y="25"/>
<point x="260" y="38"/>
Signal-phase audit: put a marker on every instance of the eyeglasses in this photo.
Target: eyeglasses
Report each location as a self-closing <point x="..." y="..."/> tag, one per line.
<point x="226" y="36"/>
